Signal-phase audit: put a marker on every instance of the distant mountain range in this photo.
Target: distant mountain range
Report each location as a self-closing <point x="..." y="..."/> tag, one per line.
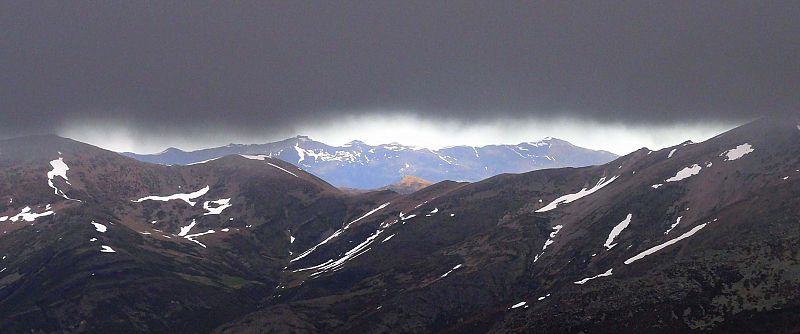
<point x="361" y="166"/>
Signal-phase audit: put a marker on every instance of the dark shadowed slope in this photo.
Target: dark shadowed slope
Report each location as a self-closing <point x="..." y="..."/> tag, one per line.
<point x="693" y="237"/>
<point x="696" y="237"/>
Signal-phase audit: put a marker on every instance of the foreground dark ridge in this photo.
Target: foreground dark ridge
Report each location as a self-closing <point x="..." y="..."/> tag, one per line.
<point x="696" y="237"/>
<point x="361" y="166"/>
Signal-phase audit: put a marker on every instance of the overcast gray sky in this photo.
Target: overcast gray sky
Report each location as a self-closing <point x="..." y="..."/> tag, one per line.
<point x="141" y="75"/>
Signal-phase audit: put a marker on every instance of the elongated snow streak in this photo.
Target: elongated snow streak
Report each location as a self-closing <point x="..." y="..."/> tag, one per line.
<point x="59" y="169"/>
<point x="100" y="227"/>
<point x="338" y="232"/>
<point x="569" y="198"/>
<point x="520" y="304"/>
<point x="221" y="205"/>
<point x="106" y="249"/>
<point x="671" y="153"/>
<point x="185" y="230"/>
<point x="583" y="281"/>
<point x="666" y="244"/>
<point x="264" y="157"/>
<point x="202" y="162"/>
<point x="451" y="270"/>
<point x="186" y="197"/>
<point x="28" y="216"/>
<point x="685" y="173"/>
<point x="549" y="241"/>
<point x="737" y="152"/>
<point x="191" y="237"/>
<point x="673" y="225"/>
<point x="388" y="238"/>
<point x="349" y="255"/>
<point x="281" y="168"/>
<point x="616" y="231"/>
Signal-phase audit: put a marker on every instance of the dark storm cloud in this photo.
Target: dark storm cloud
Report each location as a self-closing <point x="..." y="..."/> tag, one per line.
<point x="266" y="65"/>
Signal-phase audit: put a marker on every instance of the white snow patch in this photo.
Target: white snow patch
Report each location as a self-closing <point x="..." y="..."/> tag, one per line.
<point x="92" y="239"/>
<point x="549" y="241"/>
<point x="737" y="152"/>
<point x="202" y="162"/>
<point x="28" y="216"/>
<point x="520" y="304"/>
<point x="666" y="244"/>
<point x="186" y="197"/>
<point x="655" y="186"/>
<point x="191" y="237"/>
<point x="678" y="221"/>
<point x="435" y="210"/>
<point x="225" y="229"/>
<point x="106" y="249"/>
<point x="59" y="169"/>
<point x="388" y="238"/>
<point x="451" y="270"/>
<point x="685" y="173"/>
<point x="580" y="194"/>
<point x="616" y="231"/>
<point x="185" y="229"/>
<point x="543" y="297"/>
<point x="220" y="205"/>
<point x="583" y="281"/>
<point x="671" y="153"/>
<point x="100" y="227"/>
<point x="332" y="265"/>
<point x="281" y="168"/>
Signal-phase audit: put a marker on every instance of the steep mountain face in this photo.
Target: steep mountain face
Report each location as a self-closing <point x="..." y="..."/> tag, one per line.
<point x="696" y="237"/>
<point x="361" y="166"/>
<point x="93" y="241"/>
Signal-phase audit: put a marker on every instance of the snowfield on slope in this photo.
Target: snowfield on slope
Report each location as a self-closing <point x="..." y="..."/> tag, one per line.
<point x="583" y="281"/>
<point x="737" y="152"/>
<point x="616" y="231"/>
<point x="685" y="173"/>
<point x="338" y="232"/>
<point x="186" y="197"/>
<point x="59" y="169"/>
<point x="665" y="244"/>
<point x="569" y="198"/>
<point x="220" y="205"/>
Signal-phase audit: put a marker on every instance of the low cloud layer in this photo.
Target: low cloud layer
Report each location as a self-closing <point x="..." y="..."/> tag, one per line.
<point x="208" y="72"/>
